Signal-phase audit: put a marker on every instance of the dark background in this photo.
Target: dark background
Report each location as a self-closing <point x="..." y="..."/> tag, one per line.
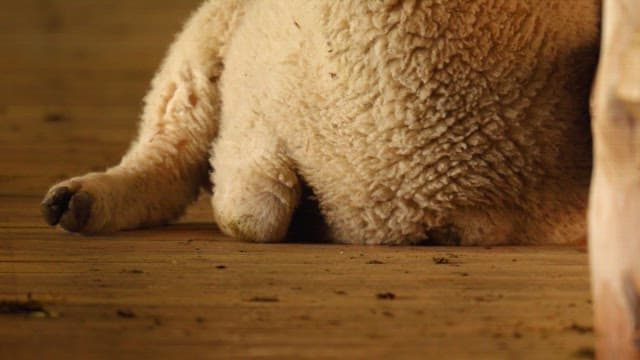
<point x="72" y="77"/>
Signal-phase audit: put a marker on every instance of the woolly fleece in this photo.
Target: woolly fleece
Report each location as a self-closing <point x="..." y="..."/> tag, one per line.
<point x="441" y="121"/>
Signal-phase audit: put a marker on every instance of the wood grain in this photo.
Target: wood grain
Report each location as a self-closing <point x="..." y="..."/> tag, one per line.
<point x="74" y="73"/>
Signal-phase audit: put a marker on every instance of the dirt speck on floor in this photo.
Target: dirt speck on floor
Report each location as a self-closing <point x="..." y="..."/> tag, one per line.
<point x="488" y="298"/>
<point x="264" y="299"/>
<point x="55" y="117"/>
<point x="375" y="262"/>
<point x="29" y="308"/>
<point x="125" y="313"/>
<point x="132" y="271"/>
<point x="386" y="296"/>
<point x="19" y="307"/>
<point x="221" y="267"/>
<point x="440" y="260"/>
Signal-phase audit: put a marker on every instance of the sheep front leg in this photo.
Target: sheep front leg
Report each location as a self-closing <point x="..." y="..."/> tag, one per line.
<point x="164" y="169"/>
<point x="614" y="214"/>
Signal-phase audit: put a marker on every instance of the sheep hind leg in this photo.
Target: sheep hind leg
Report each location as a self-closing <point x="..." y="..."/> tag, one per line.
<point x="256" y="189"/>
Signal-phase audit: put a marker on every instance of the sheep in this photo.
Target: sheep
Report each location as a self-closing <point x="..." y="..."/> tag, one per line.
<point x="444" y="121"/>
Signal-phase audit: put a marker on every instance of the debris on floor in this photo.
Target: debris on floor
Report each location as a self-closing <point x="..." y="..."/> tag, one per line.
<point x="29" y="308"/>
<point x="125" y="313"/>
<point x="133" y="271"/>
<point x="440" y="260"/>
<point x="375" y="262"/>
<point x="55" y="117"/>
<point x="264" y="299"/>
<point x="386" y="296"/>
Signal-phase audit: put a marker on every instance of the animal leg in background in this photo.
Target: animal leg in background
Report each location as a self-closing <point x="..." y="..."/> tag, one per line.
<point x="614" y="214"/>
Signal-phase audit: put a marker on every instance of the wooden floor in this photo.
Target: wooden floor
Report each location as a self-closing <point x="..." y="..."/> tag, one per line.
<point x="73" y="73"/>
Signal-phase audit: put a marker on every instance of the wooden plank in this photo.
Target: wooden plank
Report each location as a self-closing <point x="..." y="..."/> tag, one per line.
<point x="482" y="299"/>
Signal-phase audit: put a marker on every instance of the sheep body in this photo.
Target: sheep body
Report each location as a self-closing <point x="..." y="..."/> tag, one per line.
<point x="411" y="121"/>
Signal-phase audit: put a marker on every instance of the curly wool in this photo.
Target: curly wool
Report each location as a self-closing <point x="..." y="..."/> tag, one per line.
<point x="405" y="116"/>
<point x="411" y="121"/>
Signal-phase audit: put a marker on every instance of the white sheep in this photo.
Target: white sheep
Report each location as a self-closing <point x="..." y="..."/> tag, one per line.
<point x="444" y="121"/>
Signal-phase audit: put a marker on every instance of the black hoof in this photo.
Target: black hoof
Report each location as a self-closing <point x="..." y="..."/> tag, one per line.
<point x="71" y="210"/>
<point x="55" y="204"/>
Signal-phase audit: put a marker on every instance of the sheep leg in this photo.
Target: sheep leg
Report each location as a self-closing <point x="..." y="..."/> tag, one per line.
<point x="256" y="187"/>
<point x="164" y="169"/>
<point x="614" y="214"/>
